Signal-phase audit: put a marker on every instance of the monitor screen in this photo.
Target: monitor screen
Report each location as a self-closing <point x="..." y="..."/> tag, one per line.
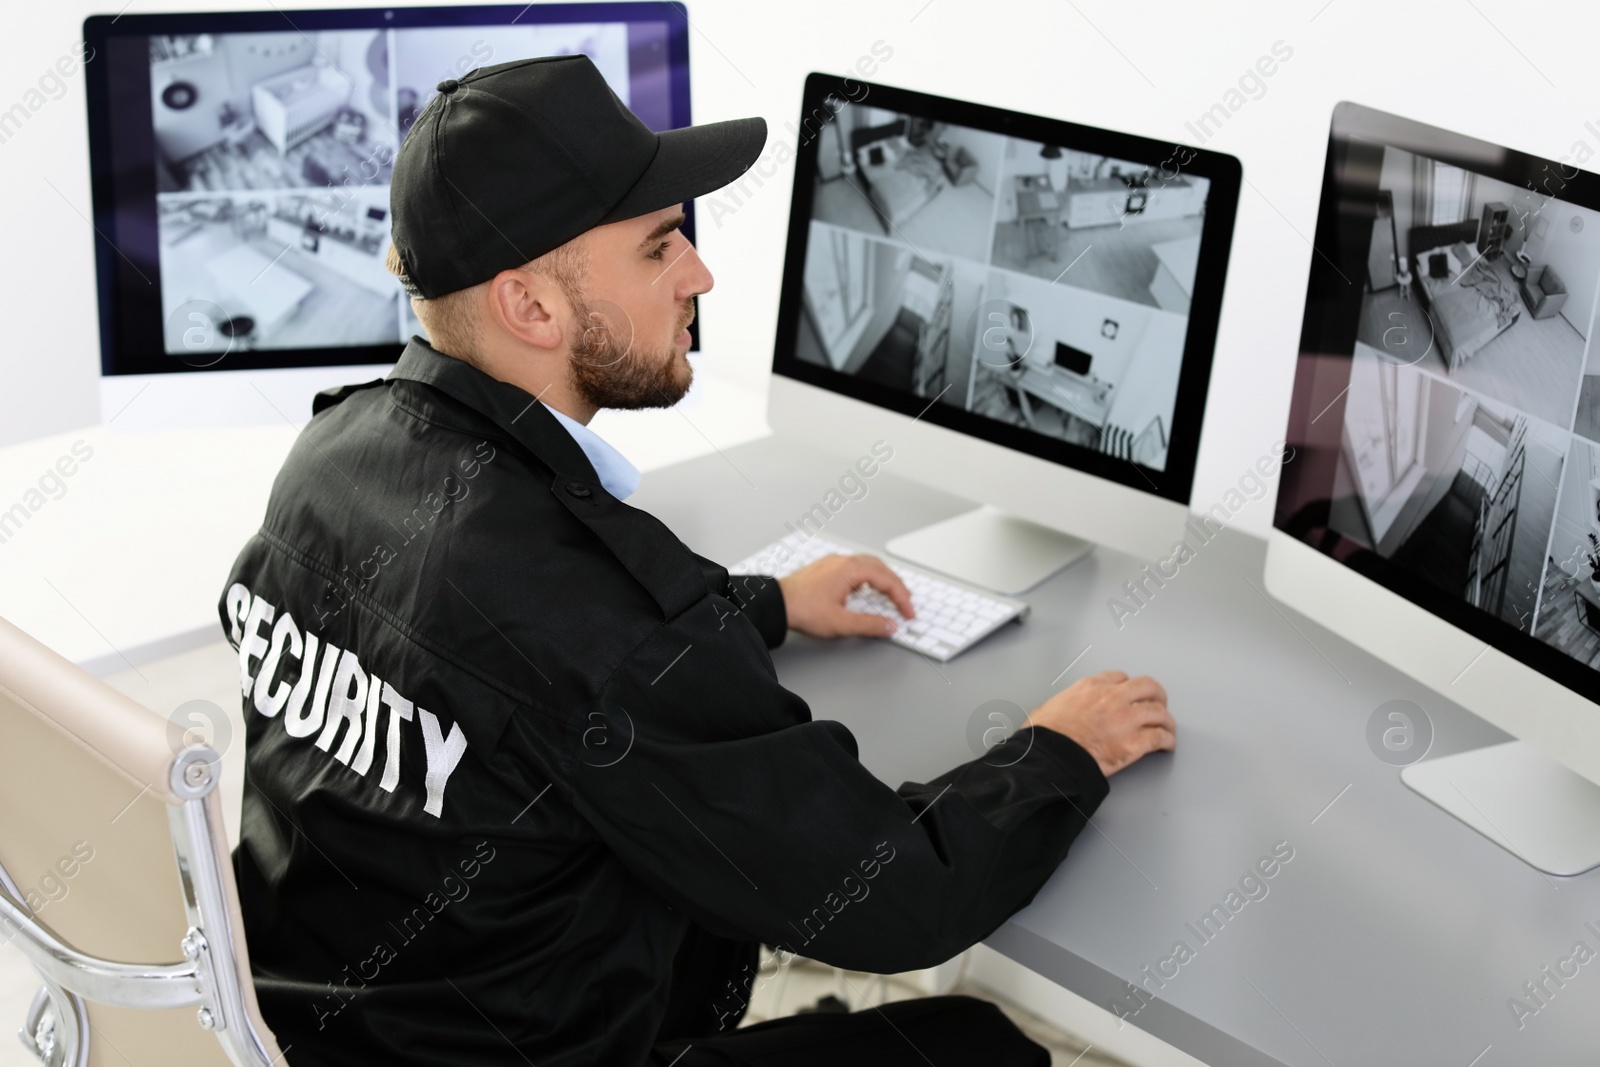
<point x="1072" y="359"/>
<point x="241" y="164"/>
<point x="1446" y="407"/>
<point x="1051" y="287"/>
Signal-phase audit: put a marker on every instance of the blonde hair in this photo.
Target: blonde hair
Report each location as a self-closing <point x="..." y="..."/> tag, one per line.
<point x="451" y="321"/>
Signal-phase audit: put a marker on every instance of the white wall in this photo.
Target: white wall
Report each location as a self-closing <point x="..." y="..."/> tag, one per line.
<point x="1396" y="177"/>
<point x="1017" y="158"/>
<point x="1149" y="386"/>
<point x="985" y="148"/>
<point x="1591" y="358"/>
<point x="1147" y="68"/>
<point x="1074" y="317"/>
<point x="1575" y="257"/>
<point x="1573" y="524"/>
<point x="422" y="61"/>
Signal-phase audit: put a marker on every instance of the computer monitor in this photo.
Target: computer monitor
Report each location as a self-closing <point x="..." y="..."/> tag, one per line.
<point x="1442" y="510"/>
<point x="1075" y="360"/>
<point x="240" y="165"/>
<point x="939" y="252"/>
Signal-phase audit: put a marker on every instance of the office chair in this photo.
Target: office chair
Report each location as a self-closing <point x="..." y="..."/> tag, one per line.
<point x="115" y="878"/>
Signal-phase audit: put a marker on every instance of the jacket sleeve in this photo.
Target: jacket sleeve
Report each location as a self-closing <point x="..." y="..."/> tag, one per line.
<point x="758" y="596"/>
<point x="761" y="823"/>
<point x="763" y="601"/>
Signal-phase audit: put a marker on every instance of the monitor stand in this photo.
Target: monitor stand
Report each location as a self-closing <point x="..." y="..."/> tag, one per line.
<point x="991" y="549"/>
<point x="1522" y="800"/>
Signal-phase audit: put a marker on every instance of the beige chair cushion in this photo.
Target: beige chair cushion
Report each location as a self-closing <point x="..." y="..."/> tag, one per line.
<point x="92" y="852"/>
<point x="84" y="765"/>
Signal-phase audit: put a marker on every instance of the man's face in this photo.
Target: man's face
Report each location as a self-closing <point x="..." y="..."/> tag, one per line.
<point x="630" y="338"/>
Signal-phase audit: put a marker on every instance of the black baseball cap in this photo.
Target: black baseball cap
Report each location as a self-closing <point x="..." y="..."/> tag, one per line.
<point x="513" y="160"/>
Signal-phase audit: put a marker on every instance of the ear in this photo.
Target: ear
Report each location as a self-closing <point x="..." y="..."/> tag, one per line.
<point x="530" y="307"/>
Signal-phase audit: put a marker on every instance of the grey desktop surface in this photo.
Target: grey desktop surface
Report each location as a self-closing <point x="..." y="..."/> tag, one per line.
<point x="1395" y="934"/>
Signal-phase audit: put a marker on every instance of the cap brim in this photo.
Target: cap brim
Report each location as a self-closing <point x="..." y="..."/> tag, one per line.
<point x="691" y="162"/>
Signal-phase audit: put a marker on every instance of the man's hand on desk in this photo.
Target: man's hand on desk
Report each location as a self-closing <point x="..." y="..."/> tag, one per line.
<point x="1115" y="718"/>
<point x="814" y="597"/>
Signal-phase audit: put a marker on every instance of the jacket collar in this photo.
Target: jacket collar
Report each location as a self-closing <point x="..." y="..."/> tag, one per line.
<point x="650" y="552"/>
<point x="619" y="476"/>
<point x="514" y="410"/>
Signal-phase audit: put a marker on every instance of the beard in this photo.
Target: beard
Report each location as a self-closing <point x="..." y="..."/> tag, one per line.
<point x="612" y="368"/>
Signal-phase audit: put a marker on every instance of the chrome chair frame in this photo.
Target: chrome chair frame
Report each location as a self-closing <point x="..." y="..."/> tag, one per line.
<point x="57" y="1027"/>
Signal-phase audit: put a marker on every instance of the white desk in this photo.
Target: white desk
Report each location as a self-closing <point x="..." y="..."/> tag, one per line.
<point x="1395" y="935"/>
<point x="1070" y="393"/>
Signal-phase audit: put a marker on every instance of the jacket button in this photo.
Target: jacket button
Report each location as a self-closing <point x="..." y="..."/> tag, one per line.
<point x="578" y="489"/>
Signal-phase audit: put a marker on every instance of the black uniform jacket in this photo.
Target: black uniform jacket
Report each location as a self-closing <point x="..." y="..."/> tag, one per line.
<point x="508" y="737"/>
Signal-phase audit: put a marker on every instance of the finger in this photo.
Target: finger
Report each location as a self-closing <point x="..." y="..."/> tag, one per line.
<point x="1143" y="714"/>
<point x="1158" y="738"/>
<point x="1143" y="687"/>
<point x="864" y="624"/>
<point x="886" y="581"/>
<point x="1159" y="687"/>
<point x="1112" y="677"/>
<point x="1156" y="716"/>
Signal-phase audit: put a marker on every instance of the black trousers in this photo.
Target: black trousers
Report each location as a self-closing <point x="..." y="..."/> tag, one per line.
<point x="712" y="981"/>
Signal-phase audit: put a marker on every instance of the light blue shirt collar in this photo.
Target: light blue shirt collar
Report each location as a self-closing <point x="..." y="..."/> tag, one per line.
<point x="619" y="477"/>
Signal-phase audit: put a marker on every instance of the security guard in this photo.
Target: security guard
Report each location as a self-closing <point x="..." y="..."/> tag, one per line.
<point x="522" y="785"/>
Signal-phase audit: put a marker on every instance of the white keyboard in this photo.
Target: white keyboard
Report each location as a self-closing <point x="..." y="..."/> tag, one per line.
<point x="951" y="617"/>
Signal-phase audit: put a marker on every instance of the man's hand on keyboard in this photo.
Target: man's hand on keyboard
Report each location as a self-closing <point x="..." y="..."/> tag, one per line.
<point x="814" y="597"/>
<point x="1118" y="720"/>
